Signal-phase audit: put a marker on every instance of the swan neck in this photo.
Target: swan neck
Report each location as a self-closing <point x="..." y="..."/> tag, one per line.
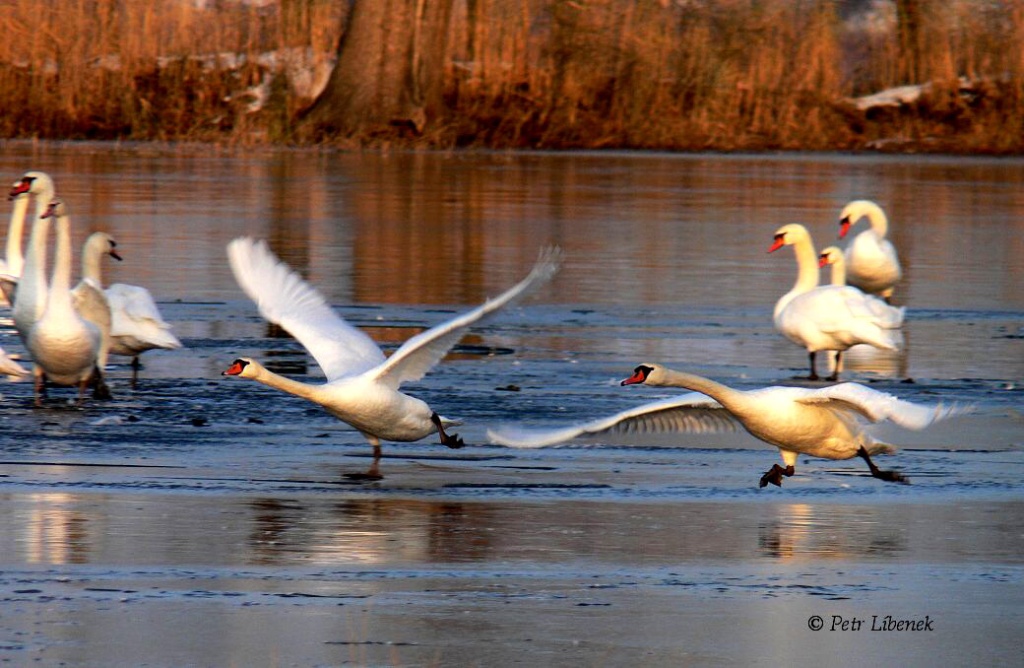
<point x="839" y="272"/>
<point x="673" y="378"/>
<point x="34" y="269"/>
<point x="60" y="284"/>
<point x="879" y="221"/>
<point x="92" y="268"/>
<point x="276" y="381"/>
<point x="15" y="232"/>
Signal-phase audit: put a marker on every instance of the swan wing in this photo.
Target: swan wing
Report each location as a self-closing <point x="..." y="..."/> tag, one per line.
<point x="878" y="406"/>
<point x="285" y="299"/>
<point x="693" y="413"/>
<point x="91" y="303"/>
<point x="9" y="366"/>
<point x="9" y="287"/>
<point x="134" y="301"/>
<point x="422" y="352"/>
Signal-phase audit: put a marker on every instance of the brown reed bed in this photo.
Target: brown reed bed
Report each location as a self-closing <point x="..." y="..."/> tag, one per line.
<point x="640" y="74"/>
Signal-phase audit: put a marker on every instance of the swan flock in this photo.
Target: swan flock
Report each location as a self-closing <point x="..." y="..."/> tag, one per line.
<point x="69" y="331"/>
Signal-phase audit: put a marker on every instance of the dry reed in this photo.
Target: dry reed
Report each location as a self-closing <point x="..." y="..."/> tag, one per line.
<point x="665" y="74"/>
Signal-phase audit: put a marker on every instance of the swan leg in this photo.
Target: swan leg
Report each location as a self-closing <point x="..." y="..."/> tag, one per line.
<point x="814" y="371"/>
<point x="838" y="366"/>
<point x="775" y="473"/>
<point x="451" y="440"/>
<point x="888" y="476"/>
<point x="136" y="365"/>
<point x="82" y="385"/>
<point x="40" y="385"/>
<point x="372" y="473"/>
<point x="100" y="389"/>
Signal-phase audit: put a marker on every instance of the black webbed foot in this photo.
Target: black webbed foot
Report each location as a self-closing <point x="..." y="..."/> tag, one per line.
<point x="774" y="475"/>
<point x="887" y="476"/>
<point x="451" y="440"/>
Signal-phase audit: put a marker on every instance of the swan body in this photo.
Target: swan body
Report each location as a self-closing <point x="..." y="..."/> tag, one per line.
<point x="64" y="345"/>
<point x="362" y="387"/>
<point x="31" y="292"/>
<point x="826" y="422"/>
<point x="833" y="257"/>
<point x="871" y="259"/>
<point x="829" y="317"/>
<point x="136" y="324"/>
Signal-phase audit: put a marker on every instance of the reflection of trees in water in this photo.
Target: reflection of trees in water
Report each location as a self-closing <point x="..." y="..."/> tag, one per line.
<point x="368" y="531"/>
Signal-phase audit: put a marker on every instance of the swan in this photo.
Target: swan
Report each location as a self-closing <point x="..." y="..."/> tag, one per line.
<point x="64" y="345"/>
<point x="826" y="422"/>
<point x="10" y="267"/>
<point x="871" y="261"/>
<point x="829" y="317"/>
<point x="31" y="291"/>
<point x="833" y="257"/>
<point x="891" y="315"/>
<point x="136" y="324"/>
<point x="362" y="386"/>
<point x="9" y="366"/>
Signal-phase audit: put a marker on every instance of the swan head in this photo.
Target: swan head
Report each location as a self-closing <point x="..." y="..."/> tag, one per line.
<point x="856" y="210"/>
<point x="646" y="373"/>
<point x="56" y="209"/>
<point x="102" y="243"/>
<point x="37" y="183"/>
<point x="831" y="255"/>
<point x="243" y="366"/>
<point x="787" y="235"/>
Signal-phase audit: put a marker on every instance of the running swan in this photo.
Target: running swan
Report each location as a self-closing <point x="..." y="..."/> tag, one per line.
<point x="825" y="422"/>
<point x="362" y="386"/>
<point x="828" y="317"/>
<point x="871" y="261"/>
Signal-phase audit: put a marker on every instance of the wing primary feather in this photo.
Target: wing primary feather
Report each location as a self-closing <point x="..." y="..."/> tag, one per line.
<point x="692" y="413"/>
<point x="285" y="299"/>
<point x="422" y="352"/>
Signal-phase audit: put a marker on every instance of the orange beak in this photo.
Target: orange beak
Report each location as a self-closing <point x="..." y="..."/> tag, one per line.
<point x="637" y="377"/>
<point x="844" y="227"/>
<point x="233" y="370"/>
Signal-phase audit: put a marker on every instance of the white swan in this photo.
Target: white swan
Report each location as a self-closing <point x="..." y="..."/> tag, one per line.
<point x="64" y="346"/>
<point x="136" y="324"/>
<point x="829" y="317"/>
<point x="31" y="291"/>
<point x="832" y="256"/>
<point x="10" y="267"/>
<point x="871" y="261"/>
<point x="9" y="366"/>
<point x="826" y="422"/>
<point x="362" y="386"/>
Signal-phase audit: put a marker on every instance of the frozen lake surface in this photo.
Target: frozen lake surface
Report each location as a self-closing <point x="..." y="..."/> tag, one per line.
<point x="218" y="510"/>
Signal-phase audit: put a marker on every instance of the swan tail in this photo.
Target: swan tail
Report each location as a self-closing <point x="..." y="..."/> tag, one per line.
<point x="880" y="448"/>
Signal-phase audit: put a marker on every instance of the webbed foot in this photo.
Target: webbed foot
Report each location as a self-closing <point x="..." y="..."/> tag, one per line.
<point x="775" y="473"/>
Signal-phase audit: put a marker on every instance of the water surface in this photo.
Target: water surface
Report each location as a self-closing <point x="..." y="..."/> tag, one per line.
<point x="196" y="494"/>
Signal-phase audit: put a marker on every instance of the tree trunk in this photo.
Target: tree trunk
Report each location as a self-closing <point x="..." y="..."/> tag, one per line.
<point x="390" y="71"/>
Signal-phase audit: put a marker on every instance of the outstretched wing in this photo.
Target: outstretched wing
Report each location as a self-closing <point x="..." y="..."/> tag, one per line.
<point x="420" y="353"/>
<point x="285" y="299"/>
<point x="693" y="413"/>
<point x="877" y="406"/>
